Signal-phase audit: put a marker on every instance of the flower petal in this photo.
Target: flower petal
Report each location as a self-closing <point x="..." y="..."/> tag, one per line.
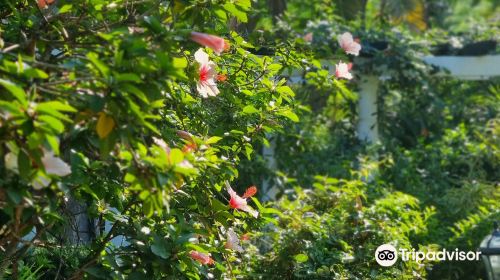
<point x="11" y="162"/>
<point x="250" y="210"/>
<point x="233" y="242"/>
<point x="55" y="166"/>
<point x="201" y="57"/>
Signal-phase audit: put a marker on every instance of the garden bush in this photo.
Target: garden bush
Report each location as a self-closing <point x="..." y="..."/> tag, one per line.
<point x="114" y="110"/>
<point x="331" y="231"/>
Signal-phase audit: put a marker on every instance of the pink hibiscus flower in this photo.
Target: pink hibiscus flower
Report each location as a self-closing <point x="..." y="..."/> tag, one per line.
<point x="42" y="4"/>
<point x="347" y="43"/>
<point x="216" y="43"/>
<point x="308" y="37"/>
<point x="201" y="257"/>
<point x="238" y="202"/>
<point x="206" y="83"/>
<point x="342" y="70"/>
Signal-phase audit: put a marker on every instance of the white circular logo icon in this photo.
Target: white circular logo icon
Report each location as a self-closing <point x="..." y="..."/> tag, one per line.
<point x="386" y="255"/>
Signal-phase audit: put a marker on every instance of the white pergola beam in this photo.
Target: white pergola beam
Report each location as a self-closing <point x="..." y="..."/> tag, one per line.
<point x="467" y="67"/>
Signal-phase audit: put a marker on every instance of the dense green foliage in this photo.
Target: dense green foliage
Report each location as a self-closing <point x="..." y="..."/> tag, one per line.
<point x="110" y="88"/>
<point x="332" y="230"/>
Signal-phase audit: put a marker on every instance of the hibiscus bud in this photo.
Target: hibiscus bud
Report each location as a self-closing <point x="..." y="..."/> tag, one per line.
<point x="42" y="4"/>
<point x="216" y="43"/>
<point x="184" y="135"/>
<point x="201" y="257"/>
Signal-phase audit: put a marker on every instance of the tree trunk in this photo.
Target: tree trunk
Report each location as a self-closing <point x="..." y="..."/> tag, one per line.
<point x="276" y="8"/>
<point x="80" y="230"/>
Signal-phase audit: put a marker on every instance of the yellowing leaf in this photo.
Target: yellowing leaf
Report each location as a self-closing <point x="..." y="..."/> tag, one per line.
<point x="105" y="125"/>
<point x="416" y="16"/>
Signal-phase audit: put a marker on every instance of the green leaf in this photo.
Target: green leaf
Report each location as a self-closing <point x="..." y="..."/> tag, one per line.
<point x="213" y="140"/>
<point x="286" y="90"/>
<point x="249" y="109"/>
<point x="257" y="203"/>
<point x="10" y="107"/>
<point x="52" y="122"/>
<point x="53" y="107"/>
<point x="34" y="140"/>
<point x="221" y="14"/>
<point x="247" y="92"/>
<point x="23" y="164"/>
<point x="56" y="105"/>
<point x="135" y="91"/>
<point x="153" y="24"/>
<point x="16" y="91"/>
<point x="101" y="66"/>
<point x="15" y="195"/>
<point x="176" y="156"/>
<point x="300" y="258"/>
<point x="54" y="113"/>
<point x="65" y="8"/>
<point x="244" y="4"/>
<point x="96" y="272"/>
<point x="233" y="10"/>
<point x="271" y="211"/>
<point x="241" y="41"/>
<point x="220" y="267"/>
<point x="219" y="206"/>
<point x="148" y="208"/>
<point x="53" y="143"/>
<point x="35" y="73"/>
<point x="290" y="115"/>
<point x="152" y="127"/>
<point x="128" y="77"/>
<point x="248" y="151"/>
<point x="180" y="62"/>
<point x="159" y="248"/>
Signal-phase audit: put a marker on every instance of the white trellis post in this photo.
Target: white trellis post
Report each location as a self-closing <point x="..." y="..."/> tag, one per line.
<point x="367" y="109"/>
<point x="268" y="153"/>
